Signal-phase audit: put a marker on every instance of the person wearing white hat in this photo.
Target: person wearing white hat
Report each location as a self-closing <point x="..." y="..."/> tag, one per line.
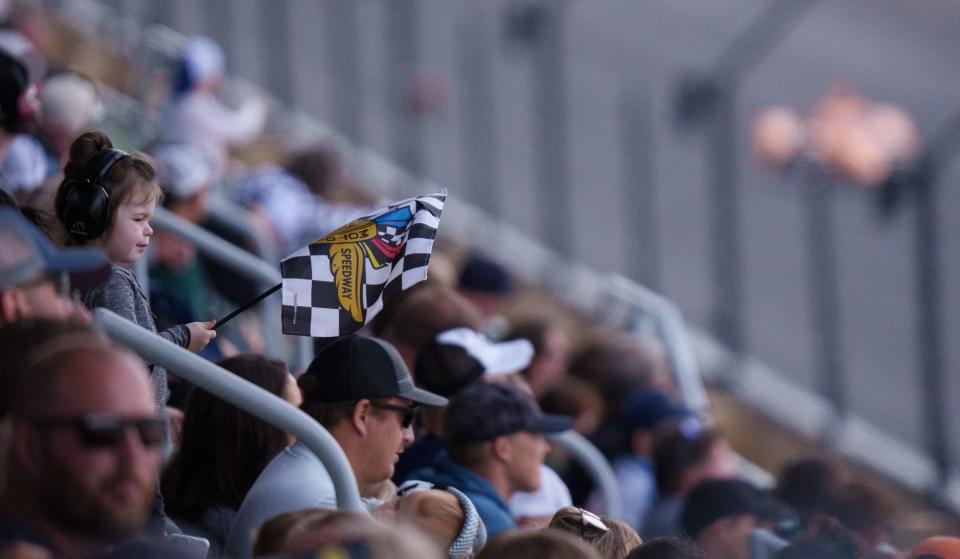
<point x="453" y="361"/>
<point x="195" y="116"/>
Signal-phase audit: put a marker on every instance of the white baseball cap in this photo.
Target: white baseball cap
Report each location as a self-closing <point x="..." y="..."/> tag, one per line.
<point x="497" y="358"/>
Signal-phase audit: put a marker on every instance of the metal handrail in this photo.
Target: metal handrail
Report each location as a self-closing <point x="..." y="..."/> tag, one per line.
<point x="597" y="466"/>
<point x="241" y="393"/>
<point x="264" y="274"/>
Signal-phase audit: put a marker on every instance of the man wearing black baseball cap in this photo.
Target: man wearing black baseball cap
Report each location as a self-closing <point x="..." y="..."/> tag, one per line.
<point x="359" y="389"/>
<point x="496" y="447"/>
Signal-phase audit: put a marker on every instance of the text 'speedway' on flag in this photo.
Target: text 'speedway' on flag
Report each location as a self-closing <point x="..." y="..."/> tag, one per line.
<point x="338" y="283"/>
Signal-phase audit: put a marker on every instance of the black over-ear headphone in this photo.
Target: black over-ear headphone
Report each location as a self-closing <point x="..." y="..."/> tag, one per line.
<point x="85" y="209"/>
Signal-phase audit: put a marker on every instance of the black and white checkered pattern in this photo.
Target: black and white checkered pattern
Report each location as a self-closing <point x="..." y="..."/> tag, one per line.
<point x="310" y="303"/>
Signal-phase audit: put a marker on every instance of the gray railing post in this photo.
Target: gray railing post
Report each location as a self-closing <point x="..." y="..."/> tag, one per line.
<point x="597" y="466"/>
<point x="241" y="393"/>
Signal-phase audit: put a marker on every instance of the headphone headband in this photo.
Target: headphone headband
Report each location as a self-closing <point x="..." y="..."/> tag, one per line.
<point x="101" y="163"/>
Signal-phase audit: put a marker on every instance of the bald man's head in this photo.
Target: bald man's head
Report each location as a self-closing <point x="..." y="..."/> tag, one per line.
<point x="86" y="442"/>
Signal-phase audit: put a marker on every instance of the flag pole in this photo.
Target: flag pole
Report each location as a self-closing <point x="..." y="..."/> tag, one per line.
<point x="247" y="305"/>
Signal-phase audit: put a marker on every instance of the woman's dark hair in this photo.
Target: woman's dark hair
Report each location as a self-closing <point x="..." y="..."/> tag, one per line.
<point x="677" y="449"/>
<point x="128" y="177"/>
<point x="671" y="547"/>
<point x="223" y="449"/>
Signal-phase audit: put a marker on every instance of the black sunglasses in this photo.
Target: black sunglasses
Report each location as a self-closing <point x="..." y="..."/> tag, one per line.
<point x="409" y="412"/>
<point x="100" y="430"/>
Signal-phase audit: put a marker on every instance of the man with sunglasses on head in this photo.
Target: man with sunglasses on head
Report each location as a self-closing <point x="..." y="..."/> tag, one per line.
<point x="83" y="452"/>
<point x="360" y="390"/>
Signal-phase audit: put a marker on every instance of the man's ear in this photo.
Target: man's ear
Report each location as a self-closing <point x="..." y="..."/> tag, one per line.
<point x="500" y="449"/>
<point x="11" y="304"/>
<point x="360" y="419"/>
<point x="25" y="445"/>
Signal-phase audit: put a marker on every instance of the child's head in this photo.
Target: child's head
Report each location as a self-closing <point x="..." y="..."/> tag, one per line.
<point x="447" y="517"/>
<point x="611" y="538"/>
<point x="107" y="198"/>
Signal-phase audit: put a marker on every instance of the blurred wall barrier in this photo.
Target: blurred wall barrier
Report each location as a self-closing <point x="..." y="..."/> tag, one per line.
<point x="243" y="394"/>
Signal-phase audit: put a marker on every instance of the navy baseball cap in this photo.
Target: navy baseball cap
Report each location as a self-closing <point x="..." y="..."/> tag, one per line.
<point x="484" y="411"/>
<point x="358" y="367"/>
<point x="646" y="409"/>
<point x="28" y="253"/>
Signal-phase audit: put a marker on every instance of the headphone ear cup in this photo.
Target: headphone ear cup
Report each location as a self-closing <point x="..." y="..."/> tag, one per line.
<point x="86" y="209"/>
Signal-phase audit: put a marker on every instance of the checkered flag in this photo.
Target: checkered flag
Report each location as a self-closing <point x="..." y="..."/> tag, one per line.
<point x="338" y="283"/>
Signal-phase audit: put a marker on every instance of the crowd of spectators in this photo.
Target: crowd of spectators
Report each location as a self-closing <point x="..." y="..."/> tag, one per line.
<point x="443" y="406"/>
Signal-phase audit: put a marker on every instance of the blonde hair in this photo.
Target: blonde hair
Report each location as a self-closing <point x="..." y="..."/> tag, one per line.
<point x="313" y="529"/>
<point x="437" y="514"/>
<point x="614" y="543"/>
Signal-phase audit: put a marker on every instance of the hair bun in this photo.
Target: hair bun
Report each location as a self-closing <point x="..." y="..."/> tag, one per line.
<point x="83" y="149"/>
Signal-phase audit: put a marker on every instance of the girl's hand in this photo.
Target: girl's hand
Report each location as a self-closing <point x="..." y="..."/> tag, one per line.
<point x="200" y="334"/>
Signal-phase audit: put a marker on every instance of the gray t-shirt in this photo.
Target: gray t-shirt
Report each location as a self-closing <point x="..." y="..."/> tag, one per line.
<point x="122" y="294"/>
<point x="294" y="480"/>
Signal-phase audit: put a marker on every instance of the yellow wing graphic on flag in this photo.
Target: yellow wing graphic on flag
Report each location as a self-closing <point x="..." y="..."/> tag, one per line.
<point x="346" y="263"/>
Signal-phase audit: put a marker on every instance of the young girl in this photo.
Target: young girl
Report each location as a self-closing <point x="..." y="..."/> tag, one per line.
<point x="107" y="199"/>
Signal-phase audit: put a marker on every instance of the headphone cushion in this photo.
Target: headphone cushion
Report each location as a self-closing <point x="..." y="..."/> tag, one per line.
<point x="86" y="209"/>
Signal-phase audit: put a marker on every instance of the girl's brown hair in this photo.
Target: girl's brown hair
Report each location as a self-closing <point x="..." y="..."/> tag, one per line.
<point x="127" y="177"/>
<point x="613" y="543"/>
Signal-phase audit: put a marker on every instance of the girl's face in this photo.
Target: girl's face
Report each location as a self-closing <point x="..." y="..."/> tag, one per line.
<point x="131" y="231"/>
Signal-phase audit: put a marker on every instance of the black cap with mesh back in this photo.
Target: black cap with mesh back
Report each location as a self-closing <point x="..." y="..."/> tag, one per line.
<point x="358" y="367"/>
<point x="484" y="411"/>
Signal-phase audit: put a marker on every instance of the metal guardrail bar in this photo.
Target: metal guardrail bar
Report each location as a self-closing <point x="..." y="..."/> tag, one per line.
<point x="248" y="265"/>
<point x="596" y="465"/>
<point x="243" y="394"/>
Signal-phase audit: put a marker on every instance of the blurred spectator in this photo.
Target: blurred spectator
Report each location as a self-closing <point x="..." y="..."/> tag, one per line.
<point x="448" y="517"/>
<point x="668" y="547"/>
<point x="546" y="543"/>
<point x="195" y="116"/>
<point x="720" y="516"/>
<point x="534" y="509"/>
<point x="302" y="200"/>
<point x="825" y="538"/>
<point x="33" y="273"/>
<point x="71" y="105"/>
<point x="180" y="291"/>
<point x="222" y="452"/>
<point x="329" y="533"/>
<point x="85" y="449"/>
<point x="806" y="485"/>
<point x="445" y="366"/>
<point x="683" y="456"/>
<point x="551" y="347"/>
<point x="643" y="412"/>
<point x="24" y="169"/>
<point x="937" y="547"/>
<point x="613" y="539"/>
<point x="422" y="314"/>
<point x="487" y="284"/>
<point x="19" y="107"/>
<point x="867" y="512"/>
<point x="578" y="399"/>
<point x="359" y="389"/>
<point x="496" y="447"/>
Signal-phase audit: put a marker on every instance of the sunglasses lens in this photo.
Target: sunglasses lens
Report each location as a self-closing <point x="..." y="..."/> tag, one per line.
<point x="102" y="432"/>
<point x="407" y="419"/>
<point x="101" y="435"/>
<point x="152" y="431"/>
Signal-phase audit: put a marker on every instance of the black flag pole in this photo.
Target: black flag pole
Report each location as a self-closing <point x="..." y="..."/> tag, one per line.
<point x="247" y="305"/>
